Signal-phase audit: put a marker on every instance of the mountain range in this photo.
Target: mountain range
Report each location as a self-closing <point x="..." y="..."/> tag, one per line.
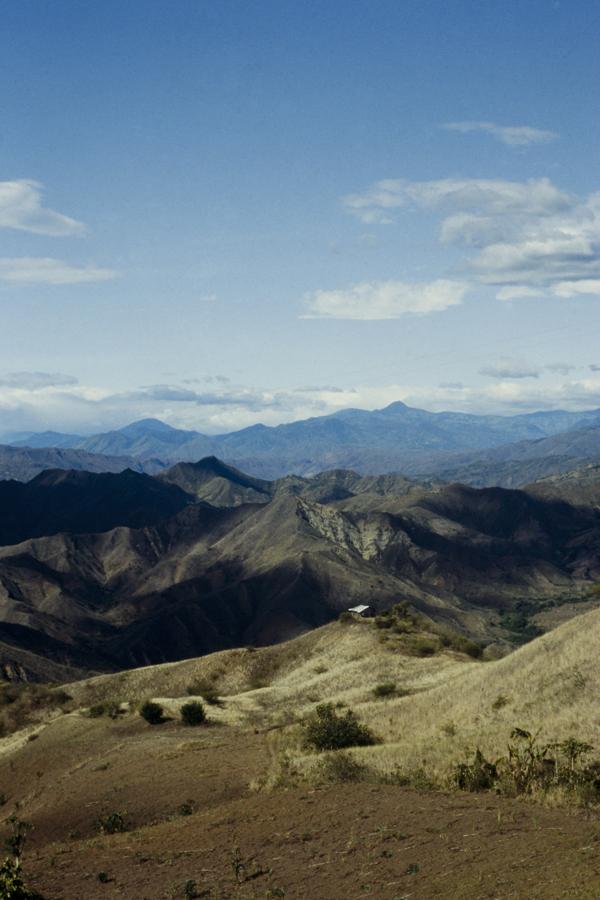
<point x="506" y="451"/>
<point x="105" y="572"/>
<point x="476" y="449"/>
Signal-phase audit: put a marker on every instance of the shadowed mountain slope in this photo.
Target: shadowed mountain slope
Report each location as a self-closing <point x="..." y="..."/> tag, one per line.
<point x="76" y="502"/>
<point x="217" y="483"/>
<point x="197" y="578"/>
<point x="580" y="487"/>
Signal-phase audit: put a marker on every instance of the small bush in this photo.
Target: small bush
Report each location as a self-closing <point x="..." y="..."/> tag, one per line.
<point x="111" y="823"/>
<point x="187" y="808"/>
<point x="152" y="712"/>
<point x="326" y="730"/>
<point x="385" y="689"/>
<point x="346" y="618"/>
<point x="111" y="708"/>
<point x="22" y="704"/>
<point x="12" y="886"/>
<point x="460" y="643"/>
<point x="421" y="645"/>
<point x="193" y="713"/>
<point x="532" y="767"/>
<point x="204" y="689"/>
<point x="339" y="766"/>
<point x="477" y="775"/>
<point x="500" y="702"/>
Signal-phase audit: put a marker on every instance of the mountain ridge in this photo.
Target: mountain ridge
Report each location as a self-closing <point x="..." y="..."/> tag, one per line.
<point x="161" y="579"/>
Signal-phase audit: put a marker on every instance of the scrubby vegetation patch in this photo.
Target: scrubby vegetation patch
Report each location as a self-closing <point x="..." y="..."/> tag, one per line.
<point x="404" y="629"/>
<point x="326" y="730"/>
<point x="12" y="885"/>
<point x="153" y="713"/>
<point x="193" y="713"/>
<point x="533" y="767"/>
<point x="22" y="704"/>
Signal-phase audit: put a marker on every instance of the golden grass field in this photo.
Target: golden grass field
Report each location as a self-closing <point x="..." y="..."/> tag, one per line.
<point x="247" y="776"/>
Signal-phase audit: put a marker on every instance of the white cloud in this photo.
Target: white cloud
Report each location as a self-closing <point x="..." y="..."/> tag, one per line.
<point x="483" y="196"/>
<point x="510" y="370"/>
<point x="589" y="286"/>
<point x="36" y="380"/>
<point x="40" y="270"/>
<point x="525" y="238"/>
<point x="84" y="409"/>
<point x="511" y="135"/>
<point x="21" y="208"/>
<point x="518" y="291"/>
<point x="385" y="299"/>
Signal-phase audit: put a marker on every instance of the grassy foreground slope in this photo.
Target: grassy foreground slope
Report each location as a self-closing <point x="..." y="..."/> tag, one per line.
<point x="199" y="804"/>
<point x="550" y="685"/>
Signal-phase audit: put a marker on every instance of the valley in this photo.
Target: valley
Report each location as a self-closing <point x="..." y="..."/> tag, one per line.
<point x="201" y="584"/>
<point x="106" y="571"/>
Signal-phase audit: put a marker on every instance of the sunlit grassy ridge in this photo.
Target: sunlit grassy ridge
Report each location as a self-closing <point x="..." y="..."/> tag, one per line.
<point x="428" y="711"/>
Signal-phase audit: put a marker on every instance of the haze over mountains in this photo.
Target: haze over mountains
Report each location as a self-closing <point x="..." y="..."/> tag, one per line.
<point x="481" y="450"/>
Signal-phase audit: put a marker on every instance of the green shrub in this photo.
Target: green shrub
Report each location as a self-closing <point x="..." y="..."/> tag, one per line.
<point x="12" y="885"/>
<point x="111" y="823"/>
<point x="385" y="689"/>
<point x="339" y="766"/>
<point x="111" y="708"/>
<point x="326" y="730"/>
<point x="187" y="808"/>
<point x="533" y="767"/>
<point x="477" y="775"/>
<point x="193" y="713"/>
<point x="422" y="645"/>
<point x="346" y="617"/>
<point x="501" y="701"/>
<point x="152" y="712"/>
<point x="459" y="642"/>
<point x="22" y="704"/>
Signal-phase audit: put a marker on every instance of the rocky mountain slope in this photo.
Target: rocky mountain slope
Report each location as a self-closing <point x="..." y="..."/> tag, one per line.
<point x="142" y="572"/>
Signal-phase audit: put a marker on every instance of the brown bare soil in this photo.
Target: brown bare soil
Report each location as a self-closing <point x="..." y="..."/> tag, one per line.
<point x="331" y="843"/>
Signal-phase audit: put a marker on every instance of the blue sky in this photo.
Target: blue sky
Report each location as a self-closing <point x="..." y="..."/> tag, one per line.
<point x="219" y="213"/>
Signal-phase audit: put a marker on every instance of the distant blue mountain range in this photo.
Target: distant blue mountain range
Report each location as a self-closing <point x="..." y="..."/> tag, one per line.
<point x="397" y="437"/>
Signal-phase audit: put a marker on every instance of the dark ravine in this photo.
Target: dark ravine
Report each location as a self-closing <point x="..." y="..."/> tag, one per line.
<point x="134" y="570"/>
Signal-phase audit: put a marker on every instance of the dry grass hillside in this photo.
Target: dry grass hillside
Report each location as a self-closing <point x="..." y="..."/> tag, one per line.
<point x="241" y="809"/>
<point x="550" y="686"/>
<point x="438" y="707"/>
